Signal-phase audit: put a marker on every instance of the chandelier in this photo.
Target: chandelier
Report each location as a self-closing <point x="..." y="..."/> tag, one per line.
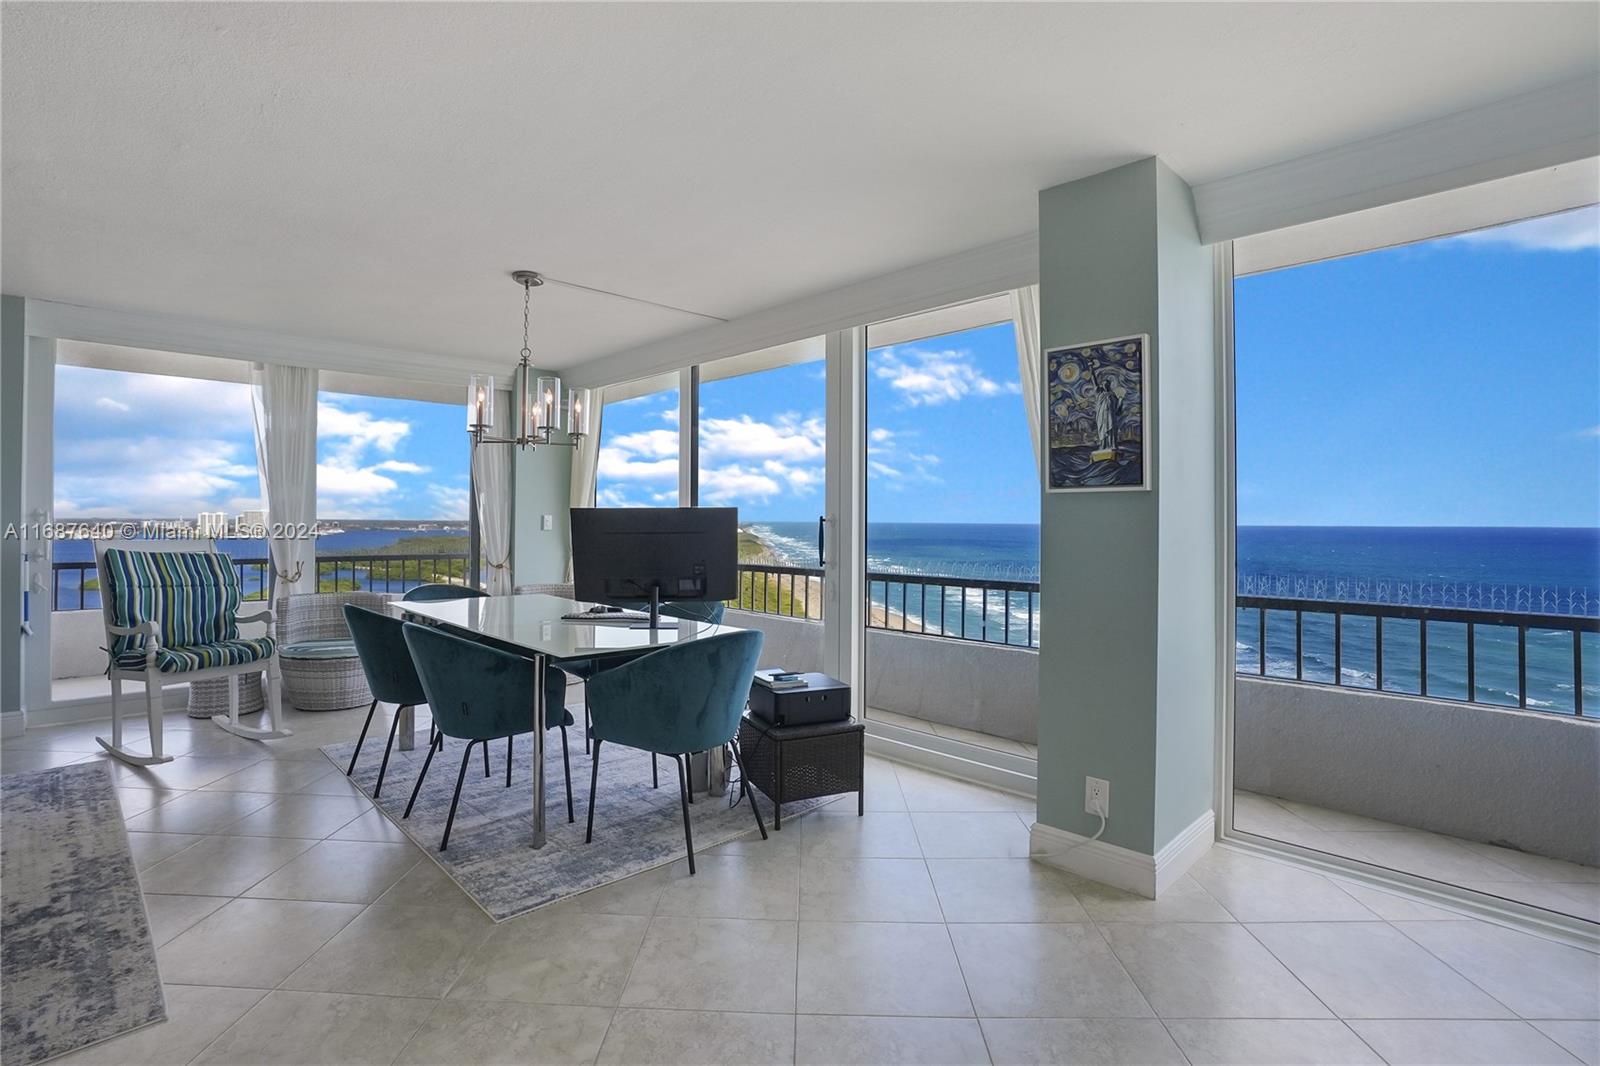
<point x="538" y="407"/>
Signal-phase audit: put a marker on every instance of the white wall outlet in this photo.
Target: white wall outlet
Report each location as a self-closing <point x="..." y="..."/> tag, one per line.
<point x="547" y="522"/>
<point x="1097" y="796"/>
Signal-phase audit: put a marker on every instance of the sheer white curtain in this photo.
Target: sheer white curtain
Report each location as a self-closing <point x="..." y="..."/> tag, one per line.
<point x="491" y="474"/>
<point x="1025" y="316"/>
<point x="586" y="460"/>
<point x="284" y="400"/>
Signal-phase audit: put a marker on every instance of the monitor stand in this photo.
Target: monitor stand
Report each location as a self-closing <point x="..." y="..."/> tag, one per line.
<point x="655" y="622"/>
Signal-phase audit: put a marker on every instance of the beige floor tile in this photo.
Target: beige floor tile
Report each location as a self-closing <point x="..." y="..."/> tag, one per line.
<point x="1254" y="889"/>
<point x="273" y="775"/>
<point x="334" y="784"/>
<point x="372" y="825"/>
<point x="1580" y="901"/>
<point x="1460" y="1043"/>
<point x="302" y="815"/>
<point x="1579" y="1039"/>
<point x="171" y="915"/>
<point x="555" y="955"/>
<point x="1371" y="970"/>
<point x="1258" y="814"/>
<point x="698" y="1038"/>
<point x="395" y="951"/>
<point x="824" y="1039"/>
<point x="252" y="943"/>
<point x="1208" y="970"/>
<point x="221" y="865"/>
<point x="78" y="737"/>
<point x="1268" y="1042"/>
<point x="867" y="890"/>
<point x="425" y="885"/>
<point x="1045" y="971"/>
<point x="930" y="792"/>
<point x="1395" y="907"/>
<point x="882" y="787"/>
<point x="1108" y="1041"/>
<point x="732" y="886"/>
<point x="961" y="835"/>
<point x="1183" y="901"/>
<point x="1424" y="854"/>
<point x="1336" y="821"/>
<point x="1004" y="890"/>
<point x="481" y="1034"/>
<point x="186" y="771"/>
<point x="138" y="800"/>
<point x="198" y="812"/>
<point x="714" y="964"/>
<point x="339" y="871"/>
<point x="318" y="1029"/>
<point x="638" y="894"/>
<point x="880" y="968"/>
<point x="195" y="1017"/>
<point x="874" y="835"/>
<point x="150" y="848"/>
<point x="27" y="760"/>
<point x="1535" y="977"/>
<point x="1536" y="867"/>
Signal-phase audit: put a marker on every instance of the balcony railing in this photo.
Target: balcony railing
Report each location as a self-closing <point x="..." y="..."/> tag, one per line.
<point x="74" y="585"/>
<point x="1529" y="659"/>
<point x="790" y="591"/>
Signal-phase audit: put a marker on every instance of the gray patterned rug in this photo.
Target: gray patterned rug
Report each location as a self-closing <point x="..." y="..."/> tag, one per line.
<point x="636" y="827"/>
<point x="79" y="966"/>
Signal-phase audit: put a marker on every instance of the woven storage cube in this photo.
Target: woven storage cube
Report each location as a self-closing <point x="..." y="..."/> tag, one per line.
<point x="790" y="763"/>
<point x="209" y="696"/>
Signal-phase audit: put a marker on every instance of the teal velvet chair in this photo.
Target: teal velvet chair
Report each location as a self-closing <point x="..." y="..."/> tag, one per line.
<point x="441" y="591"/>
<point x="386" y="661"/>
<point x="683" y="698"/>
<point x="478" y="694"/>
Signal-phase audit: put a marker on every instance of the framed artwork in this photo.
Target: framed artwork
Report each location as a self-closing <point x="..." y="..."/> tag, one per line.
<point x="1094" y="427"/>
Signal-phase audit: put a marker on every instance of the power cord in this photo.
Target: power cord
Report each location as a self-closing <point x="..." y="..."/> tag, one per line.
<point x="1101" y="814"/>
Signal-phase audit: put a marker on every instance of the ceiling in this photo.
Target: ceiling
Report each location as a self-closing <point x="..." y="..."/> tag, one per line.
<point x="369" y="173"/>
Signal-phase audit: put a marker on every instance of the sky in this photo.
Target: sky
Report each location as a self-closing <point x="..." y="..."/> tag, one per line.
<point x="948" y="438"/>
<point x="1452" y="382"/>
<point x="151" y="446"/>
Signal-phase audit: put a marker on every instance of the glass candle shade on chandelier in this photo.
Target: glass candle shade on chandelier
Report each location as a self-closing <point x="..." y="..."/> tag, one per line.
<point x="538" y="408"/>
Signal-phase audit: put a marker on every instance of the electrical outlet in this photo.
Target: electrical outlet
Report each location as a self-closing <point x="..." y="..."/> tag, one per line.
<point x="1097" y="796"/>
<point x="548" y="522"/>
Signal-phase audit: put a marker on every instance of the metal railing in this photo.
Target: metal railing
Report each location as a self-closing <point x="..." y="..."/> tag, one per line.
<point x="780" y="590"/>
<point x="1471" y="620"/>
<point x="335" y="573"/>
<point x="988" y="610"/>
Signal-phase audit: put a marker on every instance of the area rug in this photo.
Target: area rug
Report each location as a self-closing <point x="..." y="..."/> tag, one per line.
<point x="78" y="964"/>
<point x="636" y="827"/>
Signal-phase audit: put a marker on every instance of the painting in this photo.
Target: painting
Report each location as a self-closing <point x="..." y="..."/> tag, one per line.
<point x="1094" y="427"/>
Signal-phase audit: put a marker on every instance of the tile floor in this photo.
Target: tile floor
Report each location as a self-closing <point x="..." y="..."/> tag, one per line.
<point x="1550" y="883"/>
<point x="295" y="925"/>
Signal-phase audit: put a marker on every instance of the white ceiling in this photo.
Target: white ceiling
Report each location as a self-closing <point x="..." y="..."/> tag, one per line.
<point x="370" y="172"/>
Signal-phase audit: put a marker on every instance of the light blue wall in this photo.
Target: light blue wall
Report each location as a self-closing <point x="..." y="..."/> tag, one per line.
<point x="543" y="479"/>
<point x="1126" y="685"/>
<point x="13" y="344"/>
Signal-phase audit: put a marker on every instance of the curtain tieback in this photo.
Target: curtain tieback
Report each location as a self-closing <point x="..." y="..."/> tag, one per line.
<point x="281" y="575"/>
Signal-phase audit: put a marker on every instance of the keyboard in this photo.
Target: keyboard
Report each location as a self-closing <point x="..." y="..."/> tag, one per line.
<point x="606" y="616"/>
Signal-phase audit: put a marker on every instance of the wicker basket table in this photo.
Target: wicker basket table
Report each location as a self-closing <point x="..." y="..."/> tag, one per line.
<point x="804" y="761"/>
<point x="209" y="696"/>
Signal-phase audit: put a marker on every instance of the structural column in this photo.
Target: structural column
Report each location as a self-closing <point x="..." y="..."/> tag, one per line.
<point x="1127" y="677"/>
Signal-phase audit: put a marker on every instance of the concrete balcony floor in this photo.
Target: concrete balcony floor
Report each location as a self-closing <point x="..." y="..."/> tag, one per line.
<point x="952" y="732"/>
<point x="1564" y="887"/>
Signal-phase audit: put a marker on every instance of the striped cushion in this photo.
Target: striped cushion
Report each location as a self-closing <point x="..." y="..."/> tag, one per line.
<point x="201" y="656"/>
<point x="192" y="597"/>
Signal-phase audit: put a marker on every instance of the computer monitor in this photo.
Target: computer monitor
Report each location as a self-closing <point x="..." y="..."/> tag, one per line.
<point x="655" y="554"/>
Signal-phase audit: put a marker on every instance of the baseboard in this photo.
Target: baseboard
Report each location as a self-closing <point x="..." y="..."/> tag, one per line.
<point x="1119" y="867"/>
<point x="13" y="723"/>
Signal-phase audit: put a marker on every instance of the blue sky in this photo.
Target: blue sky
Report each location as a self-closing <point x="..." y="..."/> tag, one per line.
<point x="1449" y="382"/>
<point x="948" y="438"/>
<point x="150" y="446"/>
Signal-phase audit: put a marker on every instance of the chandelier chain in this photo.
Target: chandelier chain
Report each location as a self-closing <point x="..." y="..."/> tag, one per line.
<point x="527" y="294"/>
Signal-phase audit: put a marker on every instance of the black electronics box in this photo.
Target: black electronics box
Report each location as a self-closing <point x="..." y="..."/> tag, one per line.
<point x="823" y="699"/>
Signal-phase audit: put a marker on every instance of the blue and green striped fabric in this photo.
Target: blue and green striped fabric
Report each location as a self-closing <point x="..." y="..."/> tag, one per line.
<point x="192" y="597"/>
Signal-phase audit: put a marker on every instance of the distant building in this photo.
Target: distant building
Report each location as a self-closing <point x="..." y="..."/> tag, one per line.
<point x="252" y="523"/>
<point x="210" y="524"/>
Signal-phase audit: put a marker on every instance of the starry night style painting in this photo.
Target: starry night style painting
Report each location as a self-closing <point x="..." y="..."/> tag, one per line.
<point x="1094" y="415"/>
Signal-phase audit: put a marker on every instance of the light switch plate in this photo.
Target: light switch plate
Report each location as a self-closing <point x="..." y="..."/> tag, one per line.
<point x="547" y="522"/>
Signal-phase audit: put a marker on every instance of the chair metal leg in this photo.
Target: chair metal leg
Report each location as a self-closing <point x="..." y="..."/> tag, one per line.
<point x="461" y="778"/>
<point x="588" y="727"/>
<point x="683" y="796"/>
<point x="434" y="745"/>
<point x="655" y="776"/>
<point x="486" y="758"/>
<point x="566" y="767"/>
<point x="508" y="760"/>
<point x="362" y="739"/>
<point x="745" y="789"/>
<point x="594" y="781"/>
<point x="383" y="767"/>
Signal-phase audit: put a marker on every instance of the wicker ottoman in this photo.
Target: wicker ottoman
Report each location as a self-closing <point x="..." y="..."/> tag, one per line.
<point x="209" y="696"/>
<point x="804" y="761"/>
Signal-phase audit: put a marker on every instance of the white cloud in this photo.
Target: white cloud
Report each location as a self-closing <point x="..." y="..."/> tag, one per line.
<point x="398" y="466"/>
<point x="106" y="403"/>
<point x="359" y="430"/>
<point x="1566" y="231"/>
<point x="925" y="378"/>
<point x="788" y="438"/>
<point x="176" y="479"/>
<point x="449" y="501"/>
<point x="881" y="435"/>
<point x="735" y="484"/>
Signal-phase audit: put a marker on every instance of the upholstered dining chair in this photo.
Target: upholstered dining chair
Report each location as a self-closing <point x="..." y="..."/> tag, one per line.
<point x="441" y="591"/>
<point x="478" y="694"/>
<point x="683" y="698"/>
<point x="386" y="661"/>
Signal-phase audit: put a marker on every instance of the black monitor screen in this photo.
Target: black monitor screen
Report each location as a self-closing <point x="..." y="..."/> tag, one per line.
<point x="687" y="553"/>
